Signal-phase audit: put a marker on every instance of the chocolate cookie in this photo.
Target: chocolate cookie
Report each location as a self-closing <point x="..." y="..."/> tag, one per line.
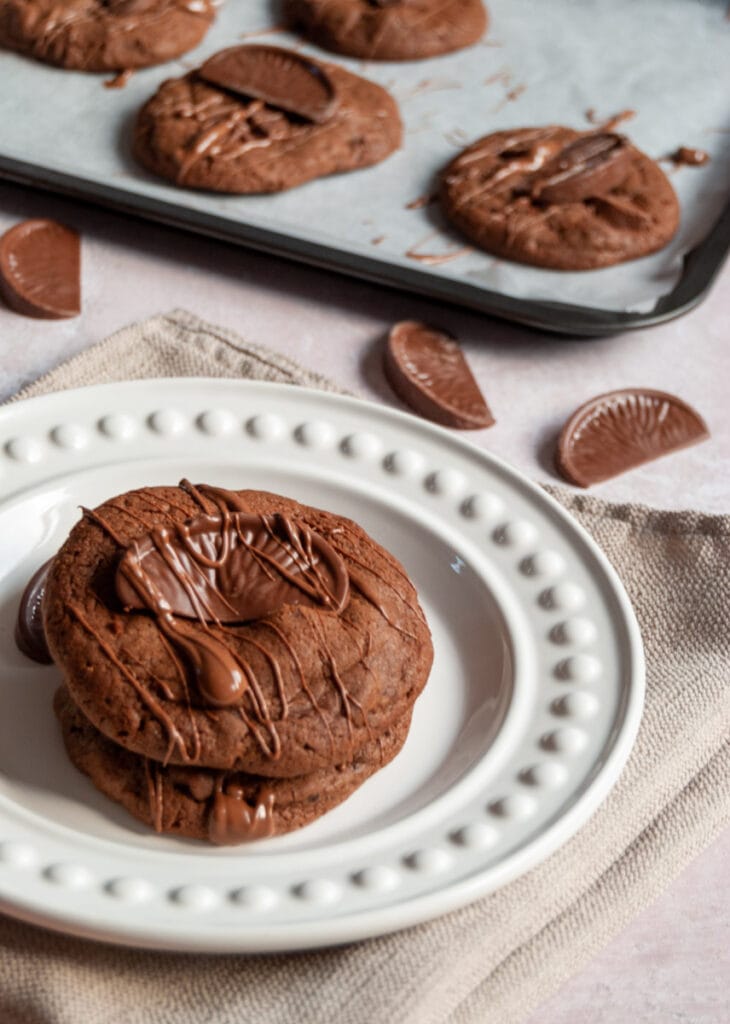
<point x="223" y="807"/>
<point x="389" y="29"/>
<point x="262" y="119"/>
<point x="560" y="198"/>
<point x="104" y="35"/>
<point x="428" y="370"/>
<point x="236" y="630"/>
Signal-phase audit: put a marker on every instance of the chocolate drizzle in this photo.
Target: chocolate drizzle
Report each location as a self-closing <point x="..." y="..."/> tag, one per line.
<point x="219" y="676"/>
<point x="435" y="259"/>
<point x="155" y="793"/>
<point x="687" y="156"/>
<point x="541" y="165"/>
<point x="412" y="606"/>
<point x="361" y="583"/>
<point x="231" y="569"/>
<point x="245" y="99"/>
<point x="347" y="700"/>
<point x="426" y="367"/>
<point x="175" y="740"/>
<point x="231" y="818"/>
<point x="494" y="167"/>
<point x="227" y="127"/>
<point x="306" y="689"/>
<point x="591" y="166"/>
<point x="120" y="80"/>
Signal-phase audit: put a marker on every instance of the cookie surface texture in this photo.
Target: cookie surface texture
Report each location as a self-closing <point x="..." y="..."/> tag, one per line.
<point x="558" y="198"/>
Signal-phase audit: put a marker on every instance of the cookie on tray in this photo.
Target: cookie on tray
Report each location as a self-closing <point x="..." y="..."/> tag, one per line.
<point x="104" y="35"/>
<point x="389" y="29"/>
<point x="234" y="630"/>
<point x="559" y="198"/>
<point x="264" y="119"/>
<point x="225" y="808"/>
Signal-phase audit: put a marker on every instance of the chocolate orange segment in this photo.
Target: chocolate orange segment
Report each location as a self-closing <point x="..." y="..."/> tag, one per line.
<point x="624" y="429"/>
<point x="427" y="369"/>
<point x="281" y="78"/>
<point x="590" y="166"/>
<point x="40" y="269"/>
<point x="231" y="569"/>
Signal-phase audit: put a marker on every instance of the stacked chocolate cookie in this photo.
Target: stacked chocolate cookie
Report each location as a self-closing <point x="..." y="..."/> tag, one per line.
<point x="235" y="663"/>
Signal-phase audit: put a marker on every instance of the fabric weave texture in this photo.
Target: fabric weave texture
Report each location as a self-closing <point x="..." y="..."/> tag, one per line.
<point x="495" y="960"/>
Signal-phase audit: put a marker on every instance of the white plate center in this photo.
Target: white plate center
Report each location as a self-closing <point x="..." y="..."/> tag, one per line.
<point x="456" y="720"/>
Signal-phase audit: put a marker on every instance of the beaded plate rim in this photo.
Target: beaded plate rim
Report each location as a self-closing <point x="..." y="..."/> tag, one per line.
<point x="430" y="863"/>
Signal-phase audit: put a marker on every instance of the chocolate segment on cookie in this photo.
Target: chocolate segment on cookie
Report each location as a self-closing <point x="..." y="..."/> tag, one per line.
<point x="303" y="686"/>
<point x="225" y="808"/>
<point x="104" y="35"/>
<point x="559" y="198"/>
<point x="231" y="568"/>
<point x="279" y="77"/>
<point x="226" y="569"/>
<point x="232" y="127"/>
<point x="389" y="29"/>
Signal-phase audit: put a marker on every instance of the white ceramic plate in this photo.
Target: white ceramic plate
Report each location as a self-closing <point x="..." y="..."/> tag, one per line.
<point x="530" y="712"/>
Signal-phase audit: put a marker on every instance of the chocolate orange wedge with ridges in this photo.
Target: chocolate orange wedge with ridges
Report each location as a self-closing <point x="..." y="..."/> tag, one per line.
<point x="281" y="78"/>
<point x="624" y="429"/>
<point x="427" y="369"/>
<point x="40" y="269"/>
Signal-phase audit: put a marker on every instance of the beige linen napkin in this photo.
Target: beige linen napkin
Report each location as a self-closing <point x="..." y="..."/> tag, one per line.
<point x="494" y="960"/>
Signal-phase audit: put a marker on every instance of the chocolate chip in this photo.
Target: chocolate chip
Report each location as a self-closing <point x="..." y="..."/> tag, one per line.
<point x="231" y="569"/>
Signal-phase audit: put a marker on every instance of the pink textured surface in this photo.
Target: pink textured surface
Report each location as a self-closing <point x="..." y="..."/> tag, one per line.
<point x="670" y="966"/>
<point x="673" y="961"/>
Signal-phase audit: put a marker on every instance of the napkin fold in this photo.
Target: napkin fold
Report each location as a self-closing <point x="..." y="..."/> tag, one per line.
<point x="498" y="958"/>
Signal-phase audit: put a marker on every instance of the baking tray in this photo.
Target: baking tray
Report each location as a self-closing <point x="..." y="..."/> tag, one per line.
<point x="64" y="131"/>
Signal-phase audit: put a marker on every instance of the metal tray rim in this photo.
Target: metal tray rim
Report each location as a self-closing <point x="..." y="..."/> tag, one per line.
<point x="701" y="265"/>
